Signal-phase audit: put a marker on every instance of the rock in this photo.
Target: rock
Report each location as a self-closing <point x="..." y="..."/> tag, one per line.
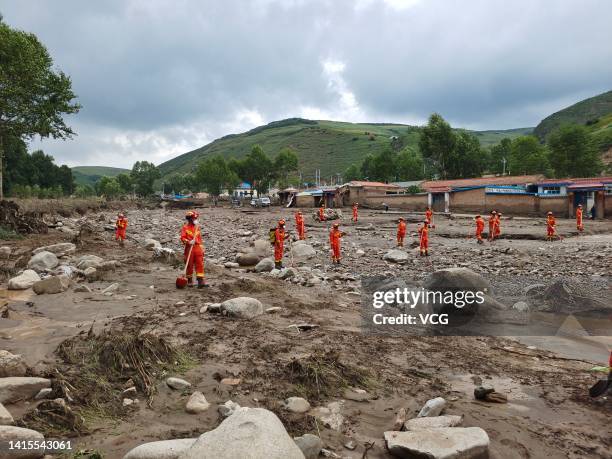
<point x="152" y="244"/>
<point x="242" y="307"/>
<point x="265" y="265"/>
<point x="43" y="393"/>
<point x="231" y="265"/>
<point x="19" y="434"/>
<point x="301" y="250"/>
<point x="310" y="445"/>
<point x="359" y="253"/>
<point x="228" y="408"/>
<point x="11" y="364"/>
<point x="286" y="273"/>
<point x="534" y="290"/>
<point x="433" y="407"/>
<point x="177" y="383"/>
<point x="89" y="261"/>
<point x="273" y="310"/>
<point x="496" y="397"/>
<point x="521" y="306"/>
<point x="197" y="403"/>
<point x="165" y="255"/>
<point x="214" y="308"/>
<point x="166" y="449"/>
<point x="356" y="395"/>
<point x="297" y="405"/>
<point x="396" y="256"/>
<point x="231" y="381"/>
<point x="350" y="445"/>
<point x="442" y="443"/>
<point x="6" y="419"/>
<point x="91" y="273"/>
<point x="248" y="259"/>
<point x="330" y="415"/>
<point x="111" y="288"/>
<point x="5" y="253"/>
<point x="51" y="285"/>
<point x="455" y="279"/>
<point x="60" y="250"/>
<point x="400" y="419"/>
<point x="128" y="402"/>
<point x="481" y="392"/>
<point x="24" y="281"/>
<point x="43" y="261"/>
<point x="15" y="388"/>
<point x="435" y="422"/>
<point x="253" y="433"/>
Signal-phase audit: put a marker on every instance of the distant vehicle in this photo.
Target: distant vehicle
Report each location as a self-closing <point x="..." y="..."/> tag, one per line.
<point x="235" y="202"/>
<point x="260" y="202"/>
<point x="254" y="202"/>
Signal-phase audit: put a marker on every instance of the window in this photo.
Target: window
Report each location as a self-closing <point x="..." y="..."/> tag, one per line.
<point x="551" y="190"/>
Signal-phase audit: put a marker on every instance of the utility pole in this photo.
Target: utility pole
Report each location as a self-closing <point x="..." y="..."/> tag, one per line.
<point x="504" y="166"/>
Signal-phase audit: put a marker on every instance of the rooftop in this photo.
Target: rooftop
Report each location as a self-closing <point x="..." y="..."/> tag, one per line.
<point x="447" y="185"/>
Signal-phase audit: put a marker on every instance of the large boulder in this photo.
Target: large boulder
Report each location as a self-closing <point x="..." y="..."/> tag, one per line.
<point x="11" y="364"/>
<point x="19" y="434"/>
<point x="152" y="244"/>
<point x="253" y="433"/>
<point x="396" y="256"/>
<point x="61" y="249"/>
<point x="43" y="261"/>
<point x="265" y="265"/>
<point x="258" y="250"/>
<point x="248" y="258"/>
<point x="14" y="388"/>
<point x="51" y="284"/>
<point x="165" y="255"/>
<point x="242" y="307"/>
<point x="442" y="443"/>
<point x="301" y="250"/>
<point x="455" y="279"/>
<point x="310" y="444"/>
<point x="425" y="423"/>
<point x="6" y="419"/>
<point x="24" y="281"/>
<point x="167" y="449"/>
<point x="5" y="252"/>
<point x="89" y="261"/>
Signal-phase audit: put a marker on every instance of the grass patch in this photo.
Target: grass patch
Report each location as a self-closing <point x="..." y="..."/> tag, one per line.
<point x="7" y="234"/>
<point x="322" y="375"/>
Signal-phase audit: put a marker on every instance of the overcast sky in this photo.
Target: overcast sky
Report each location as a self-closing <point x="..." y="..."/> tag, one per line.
<point x="159" y="78"/>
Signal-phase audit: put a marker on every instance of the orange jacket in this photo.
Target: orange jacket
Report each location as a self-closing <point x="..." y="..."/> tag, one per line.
<point x="279" y="237"/>
<point x="428" y="215"/>
<point x="424" y="233"/>
<point x="401" y="228"/>
<point x="334" y="237"/>
<point x="550" y="221"/>
<point x="480" y="224"/>
<point x="579" y="215"/>
<point x="121" y="223"/>
<point x="189" y="231"/>
<point x="321" y="213"/>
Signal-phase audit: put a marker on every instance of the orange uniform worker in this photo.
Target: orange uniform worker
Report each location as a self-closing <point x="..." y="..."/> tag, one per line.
<point x="322" y="213"/>
<point x="191" y="237"/>
<point x="299" y="224"/>
<point x="579" y="223"/>
<point x="480" y="224"/>
<point x="334" y="241"/>
<point x="279" y="243"/>
<point x="401" y="232"/>
<point x="497" y="227"/>
<point x="429" y="216"/>
<point x="120" y="228"/>
<point x="424" y="239"/>
<point x="550" y="226"/>
<point x="492" y="219"/>
<point x="355" y="214"/>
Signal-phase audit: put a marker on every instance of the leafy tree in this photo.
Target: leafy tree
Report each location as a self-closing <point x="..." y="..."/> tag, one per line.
<point x="409" y="165"/>
<point x="353" y="172"/>
<point x="285" y="162"/>
<point x="572" y="152"/>
<point x="214" y="175"/>
<point x="498" y="153"/>
<point x="437" y="143"/>
<point x="383" y="166"/>
<point x="33" y="96"/>
<point x="109" y="187"/>
<point x="466" y="159"/>
<point x="125" y="182"/>
<point x="368" y="168"/>
<point x="527" y="156"/>
<point x="143" y="176"/>
<point x="257" y="169"/>
<point x="84" y="191"/>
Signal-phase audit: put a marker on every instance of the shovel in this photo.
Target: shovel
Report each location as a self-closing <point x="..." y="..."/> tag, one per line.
<point x="182" y="281"/>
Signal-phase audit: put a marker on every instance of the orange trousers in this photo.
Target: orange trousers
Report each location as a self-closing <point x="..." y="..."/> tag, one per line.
<point x="196" y="260"/>
<point x="335" y="251"/>
<point x="120" y="234"/>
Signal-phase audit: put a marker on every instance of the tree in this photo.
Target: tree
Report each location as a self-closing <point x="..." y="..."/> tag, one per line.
<point x="257" y="169"/>
<point x="352" y="173"/>
<point x="499" y="156"/>
<point x="125" y="182"/>
<point x="527" y="156"/>
<point x="109" y="187"/>
<point x="214" y="175"/>
<point x="409" y="165"/>
<point x="285" y="162"/>
<point x="33" y="97"/>
<point x="466" y="159"/>
<point x="437" y="143"/>
<point x="572" y="153"/>
<point x="383" y="166"/>
<point x="143" y="176"/>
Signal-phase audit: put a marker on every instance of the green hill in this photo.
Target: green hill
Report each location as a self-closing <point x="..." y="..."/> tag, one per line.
<point x="331" y="146"/>
<point x="586" y="112"/>
<point x="89" y="175"/>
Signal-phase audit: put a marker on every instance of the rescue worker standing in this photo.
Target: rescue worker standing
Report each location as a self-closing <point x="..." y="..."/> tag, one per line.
<point x="498" y="225"/>
<point x="334" y="241"/>
<point x="120" y="228"/>
<point x="492" y="219"/>
<point x="424" y="239"/>
<point x="322" y="212"/>
<point x="480" y="224"/>
<point x="279" y="243"/>
<point x="550" y="226"/>
<point x="191" y="237"/>
<point x="401" y="232"/>
<point x="299" y="224"/>
<point x="355" y="215"/>
<point x="579" y="223"/>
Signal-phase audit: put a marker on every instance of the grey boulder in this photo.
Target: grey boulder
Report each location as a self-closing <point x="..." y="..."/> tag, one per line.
<point x="24" y="281"/>
<point x="167" y="449"/>
<point x="311" y="445"/>
<point x="442" y="443"/>
<point x="51" y="285"/>
<point x="396" y="256"/>
<point x="242" y="307"/>
<point x="14" y="388"/>
<point x="20" y="434"/>
<point x="265" y="265"/>
<point x="43" y="261"/>
<point x="11" y="364"/>
<point x="61" y="249"/>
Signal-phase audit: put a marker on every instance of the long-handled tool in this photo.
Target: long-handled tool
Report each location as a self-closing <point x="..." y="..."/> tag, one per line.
<point x="182" y="281"/>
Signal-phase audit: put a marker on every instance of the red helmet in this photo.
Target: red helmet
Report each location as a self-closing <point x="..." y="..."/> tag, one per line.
<point x="120" y="215"/>
<point x="549" y="213"/>
<point x="336" y="225"/>
<point x="281" y="222"/>
<point x="191" y="215"/>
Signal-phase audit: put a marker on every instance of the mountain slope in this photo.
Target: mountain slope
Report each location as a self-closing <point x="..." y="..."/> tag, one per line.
<point x="586" y="111"/>
<point x="331" y="146"/>
<point x="89" y="175"/>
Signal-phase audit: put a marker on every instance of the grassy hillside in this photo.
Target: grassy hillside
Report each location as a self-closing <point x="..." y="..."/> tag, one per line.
<point x="584" y="112"/>
<point x="327" y="145"/>
<point x="89" y="175"/>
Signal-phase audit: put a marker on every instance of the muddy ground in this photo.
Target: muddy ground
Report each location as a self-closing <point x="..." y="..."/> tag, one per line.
<point x="546" y="379"/>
